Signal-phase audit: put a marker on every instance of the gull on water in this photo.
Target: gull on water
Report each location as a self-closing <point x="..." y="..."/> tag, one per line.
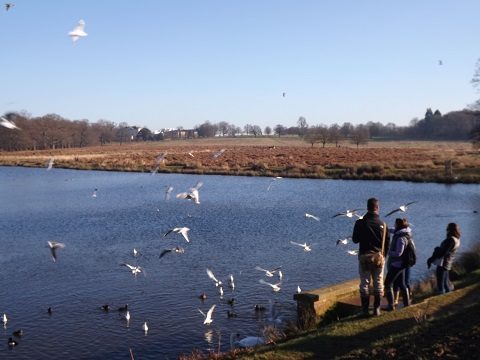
<point x="134" y="269"/>
<point x="145" y="328"/>
<point x="94" y="194"/>
<point x="212" y="276"/>
<point x="135" y="252"/>
<point x="78" y="31"/>
<point x="401" y="208"/>
<point x="8" y="124"/>
<point x="246" y="342"/>
<point x="310" y="216"/>
<point x="11" y="342"/>
<point x="275" y="287"/>
<point x="268" y="273"/>
<point x="54" y="246"/>
<point x="299" y="290"/>
<point x="304" y="245"/>
<point x="183" y="231"/>
<point x="127" y="316"/>
<point x="347" y="213"/>
<point x="176" y="249"/>
<point x="208" y="317"/>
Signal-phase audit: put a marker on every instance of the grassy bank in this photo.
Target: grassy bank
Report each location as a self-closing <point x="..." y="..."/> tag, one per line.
<point x="286" y="157"/>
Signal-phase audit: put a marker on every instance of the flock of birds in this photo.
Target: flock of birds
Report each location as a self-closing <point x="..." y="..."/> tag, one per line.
<point x="208" y="316"/>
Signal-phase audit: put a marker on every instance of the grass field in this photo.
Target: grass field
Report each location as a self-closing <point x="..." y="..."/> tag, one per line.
<point x="273" y="156"/>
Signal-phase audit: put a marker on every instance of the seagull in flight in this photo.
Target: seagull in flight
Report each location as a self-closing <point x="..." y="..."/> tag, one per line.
<point x="272" y="181"/>
<point x="50" y="163"/>
<point x="192" y="195"/>
<point x="231" y="283"/>
<point x="304" y="245"/>
<point x="212" y="276"/>
<point x="78" y="31"/>
<point x="401" y="208"/>
<point x="268" y="273"/>
<point x="134" y="269"/>
<point x="183" y="231"/>
<point x="8" y="6"/>
<point x="4" y="319"/>
<point x="352" y="252"/>
<point x="348" y="213"/>
<point x="208" y="317"/>
<point x="343" y="241"/>
<point x="54" y="246"/>
<point x="168" y="191"/>
<point x="440" y="62"/>
<point x="310" y="216"/>
<point x="8" y="124"/>
<point x="176" y="249"/>
<point x="145" y="328"/>
<point x="275" y="287"/>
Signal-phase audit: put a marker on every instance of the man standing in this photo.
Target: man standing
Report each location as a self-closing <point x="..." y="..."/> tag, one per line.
<point x="372" y="235"/>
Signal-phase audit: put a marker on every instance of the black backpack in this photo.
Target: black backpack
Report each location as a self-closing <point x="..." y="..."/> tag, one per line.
<point x="409" y="255"/>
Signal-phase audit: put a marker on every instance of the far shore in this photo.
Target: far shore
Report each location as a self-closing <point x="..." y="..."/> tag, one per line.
<point x="419" y="161"/>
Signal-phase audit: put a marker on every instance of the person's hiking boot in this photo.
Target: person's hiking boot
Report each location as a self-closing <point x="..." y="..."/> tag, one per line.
<point x="376" y="304"/>
<point x="389" y="295"/>
<point x="365" y="300"/>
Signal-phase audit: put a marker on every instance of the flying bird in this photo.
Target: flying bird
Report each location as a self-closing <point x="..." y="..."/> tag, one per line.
<point x="231" y="283"/>
<point x="275" y="287"/>
<point x="304" y="245"/>
<point x="348" y="213"/>
<point x="127" y="316"/>
<point x="54" y="246"/>
<point x="310" y="216"/>
<point x="145" y="328"/>
<point x="268" y="273"/>
<point x="4" y="319"/>
<point x="208" y="317"/>
<point x="8" y="6"/>
<point x="50" y="163"/>
<point x="343" y="241"/>
<point x="134" y="269"/>
<point x="168" y="191"/>
<point x="192" y="195"/>
<point x="272" y="181"/>
<point x="352" y="252"/>
<point x="212" y="276"/>
<point x="440" y="62"/>
<point x="8" y="124"/>
<point x="218" y="153"/>
<point x="401" y="208"/>
<point x="176" y="249"/>
<point x="284" y="93"/>
<point x="298" y="289"/>
<point x="183" y="231"/>
<point x="135" y="252"/>
<point x="191" y="154"/>
<point x="78" y="31"/>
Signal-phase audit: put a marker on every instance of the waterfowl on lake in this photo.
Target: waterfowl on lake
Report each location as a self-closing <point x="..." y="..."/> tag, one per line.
<point x="145" y="327"/>
<point x="259" y="308"/>
<point x="49" y="311"/>
<point x="208" y="317"/>
<point x="18" y="333"/>
<point x="134" y="269"/>
<point x="54" y="246"/>
<point x="127" y="316"/>
<point x="231" y="314"/>
<point x="231" y="282"/>
<point x="12" y="342"/>
<point x="183" y="231"/>
<point x="105" y="307"/>
<point x="203" y="296"/>
<point x="231" y="301"/>
<point x="123" y="308"/>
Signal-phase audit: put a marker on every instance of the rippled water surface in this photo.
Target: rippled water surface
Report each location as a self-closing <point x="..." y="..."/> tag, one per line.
<point x="238" y="225"/>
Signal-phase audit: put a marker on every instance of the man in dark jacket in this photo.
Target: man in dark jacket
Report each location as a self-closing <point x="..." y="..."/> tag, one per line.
<point x="372" y="235"/>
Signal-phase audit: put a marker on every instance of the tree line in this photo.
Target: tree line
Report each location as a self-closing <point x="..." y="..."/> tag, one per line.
<point x="52" y="131"/>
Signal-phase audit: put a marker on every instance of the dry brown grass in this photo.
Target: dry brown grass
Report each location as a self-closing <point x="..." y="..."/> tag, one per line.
<point x="273" y="156"/>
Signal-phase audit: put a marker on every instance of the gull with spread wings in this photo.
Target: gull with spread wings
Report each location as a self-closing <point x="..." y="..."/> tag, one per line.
<point x="401" y="208"/>
<point x="183" y="231"/>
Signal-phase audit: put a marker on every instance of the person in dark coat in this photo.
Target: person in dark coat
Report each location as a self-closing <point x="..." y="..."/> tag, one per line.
<point x="443" y="256"/>
<point x="371" y="234"/>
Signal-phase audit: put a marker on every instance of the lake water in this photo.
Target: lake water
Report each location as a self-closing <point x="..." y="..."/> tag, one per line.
<point x="238" y="225"/>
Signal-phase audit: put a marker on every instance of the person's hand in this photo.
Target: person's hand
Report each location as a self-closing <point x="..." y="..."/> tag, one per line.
<point x="429" y="262"/>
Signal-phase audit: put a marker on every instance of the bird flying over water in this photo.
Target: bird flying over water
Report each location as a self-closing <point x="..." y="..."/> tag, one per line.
<point x="309" y="216"/>
<point x="183" y="231"/>
<point x="211" y="275"/>
<point x="343" y="241"/>
<point x="176" y="249"/>
<point x="78" y="31"/>
<point x="352" y="252"/>
<point x="54" y="246"/>
<point x="145" y="328"/>
<point x="347" y="213"/>
<point x="4" y="319"/>
<point x="304" y="245"/>
<point x="134" y="269"/>
<point x="275" y="287"/>
<point x="50" y="163"/>
<point x="208" y="317"/>
<point x="268" y="273"/>
<point x="192" y="195"/>
<point x="273" y="180"/>
<point x="8" y="124"/>
<point x="401" y="208"/>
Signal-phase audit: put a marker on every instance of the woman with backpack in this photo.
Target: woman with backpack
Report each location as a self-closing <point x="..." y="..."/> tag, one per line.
<point x="443" y="257"/>
<point x="400" y="252"/>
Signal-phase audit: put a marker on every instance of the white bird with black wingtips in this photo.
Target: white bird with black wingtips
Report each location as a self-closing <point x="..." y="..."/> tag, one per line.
<point x="208" y="316"/>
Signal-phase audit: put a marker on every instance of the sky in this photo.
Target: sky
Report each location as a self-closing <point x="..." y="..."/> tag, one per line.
<point x="165" y="64"/>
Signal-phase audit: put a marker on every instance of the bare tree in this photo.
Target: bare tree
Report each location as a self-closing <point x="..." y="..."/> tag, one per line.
<point x="360" y="135"/>
<point x="223" y="127"/>
<point x="268" y="130"/>
<point x="279" y="130"/>
<point x="335" y="134"/>
<point x="302" y="126"/>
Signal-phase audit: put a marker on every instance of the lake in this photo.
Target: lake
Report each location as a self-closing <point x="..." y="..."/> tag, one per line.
<point x="237" y="226"/>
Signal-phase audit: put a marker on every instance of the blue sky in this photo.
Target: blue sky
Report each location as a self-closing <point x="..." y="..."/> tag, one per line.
<point x="177" y="63"/>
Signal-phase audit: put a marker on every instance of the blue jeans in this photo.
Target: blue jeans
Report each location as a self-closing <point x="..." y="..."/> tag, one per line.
<point x="443" y="282"/>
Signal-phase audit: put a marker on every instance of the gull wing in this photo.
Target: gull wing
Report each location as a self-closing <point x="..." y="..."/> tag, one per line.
<point x="168" y="232"/>
<point x="312" y="217"/>
<point x="392" y="212"/>
<point x="182" y="195"/>
<point x="128" y="265"/>
<point x="211" y="275"/>
<point x="410" y="203"/>
<point x="201" y="312"/>
<point x="184" y="232"/>
<point x="210" y="312"/>
<point x="261" y="269"/>
<point x="295" y="243"/>
<point x="164" y="252"/>
<point x="261" y="281"/>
